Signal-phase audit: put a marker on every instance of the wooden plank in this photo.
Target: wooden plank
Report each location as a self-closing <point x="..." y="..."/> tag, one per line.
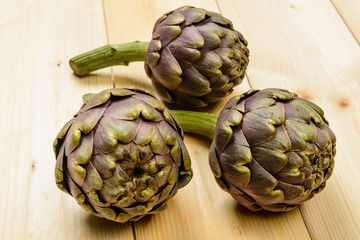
<point x="306" y="47"/>
<point x="350" y="13"/>
<point x="39" y="94"/>
<point x="201" y="210"/>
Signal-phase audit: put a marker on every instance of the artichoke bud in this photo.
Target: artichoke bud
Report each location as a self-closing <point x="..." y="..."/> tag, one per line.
<point x="272" y="150"/>
<point x="195" y="57"/>
<point x="122" y="156"/>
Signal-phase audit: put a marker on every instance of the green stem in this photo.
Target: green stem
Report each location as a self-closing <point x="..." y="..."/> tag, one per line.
<point x="196" y="122"/>
<point x="107" y="56"/>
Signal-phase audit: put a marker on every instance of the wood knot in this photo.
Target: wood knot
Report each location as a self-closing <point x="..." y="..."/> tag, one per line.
<point x="305" y="95"/>
<point x="33" y="165"/>
<point x="294" y="4"/>
<point x="343" y="103"/>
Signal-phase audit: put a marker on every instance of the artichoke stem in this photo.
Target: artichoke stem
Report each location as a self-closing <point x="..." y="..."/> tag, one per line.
<point x="107" y="56"/>
<point x="196" y="122"/>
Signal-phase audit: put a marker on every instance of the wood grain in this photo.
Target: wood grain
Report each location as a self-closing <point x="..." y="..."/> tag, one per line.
<point x="305" y="46"/>
<point x="349" y="11"/>
<point x="39" y="94"/>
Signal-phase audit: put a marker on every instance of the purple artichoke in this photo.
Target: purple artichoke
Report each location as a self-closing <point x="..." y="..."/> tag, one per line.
<point x="194" y="57"/>
<point x="272" y="150"/>
<point x="122" y="155"/>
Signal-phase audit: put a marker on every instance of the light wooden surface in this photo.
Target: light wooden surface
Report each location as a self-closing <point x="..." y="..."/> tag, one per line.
<point x="309" y="47"/>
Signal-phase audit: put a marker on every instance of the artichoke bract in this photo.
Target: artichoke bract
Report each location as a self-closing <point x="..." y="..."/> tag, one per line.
<point x="122" y="155"/>
<point x="272" y="150"/>
<point x="194" y="57"/>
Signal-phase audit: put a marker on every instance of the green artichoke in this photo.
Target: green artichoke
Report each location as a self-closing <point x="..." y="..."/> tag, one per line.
<point x="194" y="57"/>
<point x="122" y="155"/>
<point x="272" y="150"/>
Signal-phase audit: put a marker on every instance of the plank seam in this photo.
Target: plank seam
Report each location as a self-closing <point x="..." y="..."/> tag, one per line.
<point x="218" y="6"/>
<point x="312" y="237"/>
<point x="107" y="41"/>
<point x="133" y="230"/>
<point x="246" y="75"/>
<point x="248" y="80"/>
<point x="345" y="22"/>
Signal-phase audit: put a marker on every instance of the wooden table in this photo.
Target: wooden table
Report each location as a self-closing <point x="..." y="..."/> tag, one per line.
<point x="307" y="46"/>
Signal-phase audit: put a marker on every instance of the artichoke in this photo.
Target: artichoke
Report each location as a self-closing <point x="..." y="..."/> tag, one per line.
<point x="271" y="149"/>
<point x="122" y="155"/>
<point x="194" y="57"/>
